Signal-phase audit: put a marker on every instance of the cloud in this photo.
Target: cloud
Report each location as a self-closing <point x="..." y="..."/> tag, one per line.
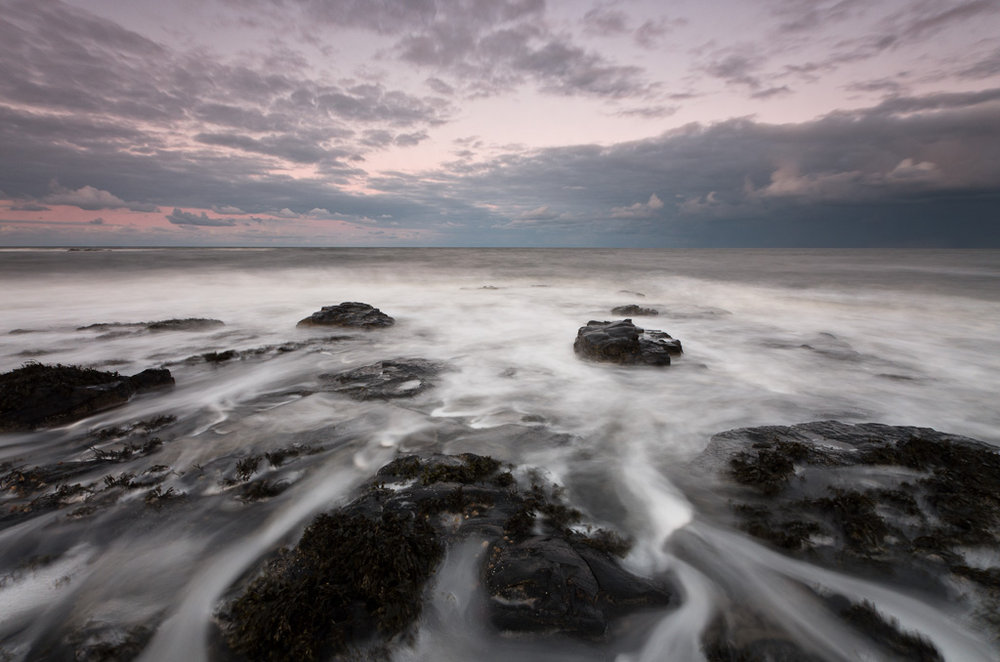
<point x="180" y="217"/>
<point x="97" y="221"/>
<point x="605" y="21"/>
<point x="646" y="209"/>
<point x="85" y="197"/>
<point x="543" y="213"/>
<point x="28" y="206"/>
<point x="648" y="112"/>
<point x="285" y="213"/>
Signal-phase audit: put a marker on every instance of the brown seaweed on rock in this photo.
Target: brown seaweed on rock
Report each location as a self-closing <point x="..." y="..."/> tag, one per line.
<point x="354" y="583"/>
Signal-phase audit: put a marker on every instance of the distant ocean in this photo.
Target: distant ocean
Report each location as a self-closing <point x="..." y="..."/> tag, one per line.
<point x="770" y="337"/>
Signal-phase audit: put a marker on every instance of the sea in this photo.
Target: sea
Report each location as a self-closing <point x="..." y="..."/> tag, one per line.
<point x="770" y="337"/>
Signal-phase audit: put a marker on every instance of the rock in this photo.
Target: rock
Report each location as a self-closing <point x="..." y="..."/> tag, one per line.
<point x="349" y="313"/>
<point x="187" y="324"/>
<point x="357" y="576"/>
<point x="401" y="378"/>
<point x="625" y="343"/>
<point x="633" y="309"/>
<point x="37" y="395"/>
<point x="904" y="504"/>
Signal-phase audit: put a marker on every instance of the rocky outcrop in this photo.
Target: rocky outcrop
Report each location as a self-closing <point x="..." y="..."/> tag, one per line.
<point x="633" y="309"/>
<point x="383" y="380"/>
<point x="349" y="314"/>
<point x="625" y="343"/>
<point x="357" y="576"/>
<point x="904" y="504"/>
<point x="37" y="395"/>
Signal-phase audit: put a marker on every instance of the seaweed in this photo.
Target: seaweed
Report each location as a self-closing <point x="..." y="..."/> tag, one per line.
<point x="769" y="468"/>
<point x="128" y="451"/>
<point x="854" y="512"/>
<point x="348" y="579"/>
<point x="907" y="646"/>
<point x="246" y="467"/>
<point x="262" y="489"/>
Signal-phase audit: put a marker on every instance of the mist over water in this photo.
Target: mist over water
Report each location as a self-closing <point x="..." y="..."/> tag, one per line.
<point x="770" y="338"/>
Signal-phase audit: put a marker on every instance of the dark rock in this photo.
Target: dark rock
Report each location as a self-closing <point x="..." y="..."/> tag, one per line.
<point x="633" y="309"/>
<point x="900" y="504"/>
<point x="625" y="343"/>
<point x="400" y="378"/>
<point x="357" y="576"/>
<point x="37" y="395"/>
<point x="187" y="324"/>
<point x="349" y="313"/>
<point x="151" y="378"/>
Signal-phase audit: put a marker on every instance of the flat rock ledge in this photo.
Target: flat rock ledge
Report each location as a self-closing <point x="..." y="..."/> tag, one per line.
<point x="354" y="583"/>
<point x="903" y="505"/>
<point x="385" y="380"/>
<point x="37" y="395"/>
<point x="625" y="343"/>
<point x="349" y="314"/>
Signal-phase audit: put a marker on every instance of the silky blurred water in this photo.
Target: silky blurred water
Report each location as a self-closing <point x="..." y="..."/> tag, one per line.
<point x="770" y="337"/>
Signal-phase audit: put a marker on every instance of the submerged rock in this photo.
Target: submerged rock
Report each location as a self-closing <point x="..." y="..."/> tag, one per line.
<point x="351" y="314"/>
<point x="186" y="324"/>
<point x="907" y="505"/>
<point x="633" y="309"/>
<point x="356" y="578"/>
<point x="625" y="343"/>
<point x="401" y="378"/>
<point x="37" y="395"/>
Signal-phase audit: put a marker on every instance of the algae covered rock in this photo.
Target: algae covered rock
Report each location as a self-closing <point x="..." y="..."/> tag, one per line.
<point x="349" y="314"/>
<point x="625" y="343"/>
<point x="37" y="395"/>
<point x="400" y="378"/>
<point x="633" y="309"/>
<point x="904" y="504"/>
<point x="356" y="579"/>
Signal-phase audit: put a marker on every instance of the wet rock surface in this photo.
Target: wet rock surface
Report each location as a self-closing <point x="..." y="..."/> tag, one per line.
<point x="905" y="505"/>
<point x="625" y="343"/>
<point x="175" y="324"/>
<point x="356" y="578"/>
<point x="37" y="395"/>
<point x="383" y="380"/>
<point x="349" y="314"/>
<point x="632" y="309"/>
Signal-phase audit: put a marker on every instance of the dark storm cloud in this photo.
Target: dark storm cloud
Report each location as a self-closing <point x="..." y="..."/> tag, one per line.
<point x="180" y="217"/>
<point x="708" y="185"/>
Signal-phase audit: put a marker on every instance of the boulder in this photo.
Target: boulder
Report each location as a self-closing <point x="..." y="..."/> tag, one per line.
<point x="401" y="378"/>
<point x="37" y="395"/>
<point x="357" y="576"/>
<point x="349" y="314"/>
<point x="624" y="343"/>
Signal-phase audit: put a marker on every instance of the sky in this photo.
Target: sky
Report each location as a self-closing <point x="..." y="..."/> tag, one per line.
<point x="632" y="123"/>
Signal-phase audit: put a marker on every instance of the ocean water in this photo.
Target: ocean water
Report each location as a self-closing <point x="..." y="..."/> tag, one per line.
<point x="771" y="337"/>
